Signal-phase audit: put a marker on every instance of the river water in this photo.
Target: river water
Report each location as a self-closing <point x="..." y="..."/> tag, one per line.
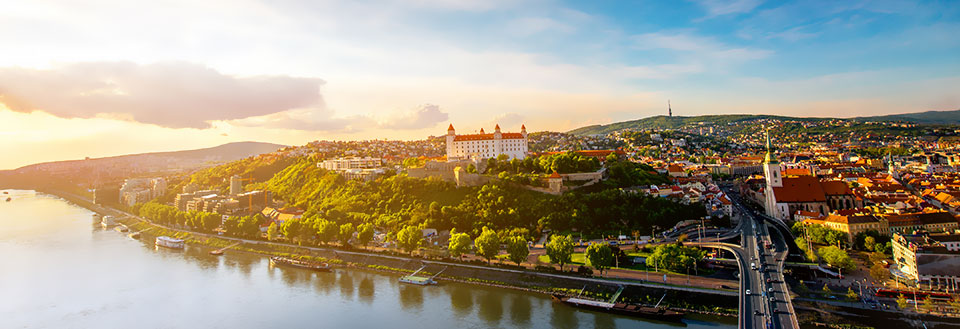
<point x="60" y="271"/>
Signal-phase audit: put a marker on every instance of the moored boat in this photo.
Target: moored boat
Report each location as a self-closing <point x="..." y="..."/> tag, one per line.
<point x="168" y="242"/>
<point x="655" y="312"/>
<point x="8" y="199"/>
<point x="121" y="229"/>
<point x="108" y="221"/>
<point x="217" y="252"/>
<point x="134" y="235"/>
<point x="290" y="262"/>
<point x="97" y="218"/>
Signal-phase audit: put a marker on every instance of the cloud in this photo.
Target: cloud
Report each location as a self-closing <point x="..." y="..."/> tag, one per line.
<point x="427" y="115"/>
<point x="168" y="94"/>
<point x="724" y="7"/>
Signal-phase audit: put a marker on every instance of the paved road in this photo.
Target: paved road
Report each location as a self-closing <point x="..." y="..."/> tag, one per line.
<point x="768" y="304"/>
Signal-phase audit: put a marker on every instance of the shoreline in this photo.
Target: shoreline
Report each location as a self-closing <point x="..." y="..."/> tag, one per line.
<point x="549" y="283"/>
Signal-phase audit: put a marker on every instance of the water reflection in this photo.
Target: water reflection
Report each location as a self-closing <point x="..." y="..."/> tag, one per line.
<point x="564" y="317"/>
<point x="520" y="309"/>
<point x="346" y="285"/>
<point x="242" y="262"/>
<point x="461" y="299"/>
<point x="411" y="297"/>
<point x="201" y="257"/>
<point x="324" y="283"/>
<point x="490" y="307"/>
<point x="603" y="321"/>
<point x="365" y="290"/>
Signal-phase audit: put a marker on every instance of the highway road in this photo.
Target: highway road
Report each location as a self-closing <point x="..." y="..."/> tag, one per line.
<point x="767" y="305"/>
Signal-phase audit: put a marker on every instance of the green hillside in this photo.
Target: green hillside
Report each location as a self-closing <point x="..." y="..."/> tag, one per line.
<point x="665" y="122"/>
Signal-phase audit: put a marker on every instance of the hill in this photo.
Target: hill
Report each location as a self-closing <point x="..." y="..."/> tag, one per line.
<point x="665" y="122"/>
<point x="928" y="117"/>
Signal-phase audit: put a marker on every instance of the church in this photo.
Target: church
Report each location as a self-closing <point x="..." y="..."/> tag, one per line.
<point x="483" y="145"/>
<point x="785" y="196"/>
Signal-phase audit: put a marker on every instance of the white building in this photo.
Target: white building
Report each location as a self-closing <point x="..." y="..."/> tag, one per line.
<point x="342" y="164"/>
<point x="483" y="145"/>
<point x="141" y="190"/>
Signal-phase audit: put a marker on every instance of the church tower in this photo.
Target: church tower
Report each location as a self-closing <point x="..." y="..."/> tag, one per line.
<point x="773" y="176"/>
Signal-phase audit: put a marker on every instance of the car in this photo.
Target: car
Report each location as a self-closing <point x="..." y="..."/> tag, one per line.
<point x="757" y="312"/>
<point x="748" y="292"/>
<point x="770" y="290"/>
<point x="768" y="280"/>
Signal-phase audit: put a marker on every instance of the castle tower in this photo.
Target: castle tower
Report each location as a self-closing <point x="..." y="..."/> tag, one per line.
<point x="523" y="131"/>
<point x="451" y="134"/>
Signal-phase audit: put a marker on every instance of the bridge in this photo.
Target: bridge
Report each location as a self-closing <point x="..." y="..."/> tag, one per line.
<point x="764" y="296"/>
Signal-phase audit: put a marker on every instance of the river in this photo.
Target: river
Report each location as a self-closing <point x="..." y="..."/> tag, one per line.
<point x="60" y="271"/>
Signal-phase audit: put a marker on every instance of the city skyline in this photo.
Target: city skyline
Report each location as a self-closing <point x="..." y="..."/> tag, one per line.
<point x="109" y="78"/>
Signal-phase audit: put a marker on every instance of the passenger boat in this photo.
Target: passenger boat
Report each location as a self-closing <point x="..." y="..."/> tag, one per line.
<point x="655" y="312"/>
<point x="108" y="221"/>
<point x="290" y="262"/>
<point x="168" y="242"/>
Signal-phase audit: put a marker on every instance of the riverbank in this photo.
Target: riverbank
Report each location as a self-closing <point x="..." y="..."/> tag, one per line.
<point x="722" y="303"/>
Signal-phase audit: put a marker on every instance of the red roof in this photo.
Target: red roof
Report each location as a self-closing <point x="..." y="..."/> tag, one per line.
<point x="796" y="172"/>
<point x="835" y="187"/>
<point x="555" y="175"/>
<point x="800" y="189"/>
<point x="451" y="127"/>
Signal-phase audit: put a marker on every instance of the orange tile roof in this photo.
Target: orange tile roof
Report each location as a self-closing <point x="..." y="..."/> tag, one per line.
<point x="800" y="189"/>
<point x="476" y="137"/>
<point x="835" y="188"/>
<point x="796" y="172"/>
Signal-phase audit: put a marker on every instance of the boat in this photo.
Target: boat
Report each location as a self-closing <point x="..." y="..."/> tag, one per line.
<point x="134" y="235"/>
<point x="290" y="262"/>
<point x="420" y="280"/>
<point x="655" y="312"/>
<point x="217" y="252"/>
<point x="97" y="218"/>
<point x="121" y="229"/>
<point x="108" y="221"/>
<point x="8" y="199"/>
<point x="168" y="242"/>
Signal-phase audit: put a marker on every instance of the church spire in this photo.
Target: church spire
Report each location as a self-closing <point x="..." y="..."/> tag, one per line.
<point x="769" y="158"/>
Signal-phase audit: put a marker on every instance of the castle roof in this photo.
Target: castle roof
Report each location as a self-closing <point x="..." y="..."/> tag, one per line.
<point x="481" y="136"/>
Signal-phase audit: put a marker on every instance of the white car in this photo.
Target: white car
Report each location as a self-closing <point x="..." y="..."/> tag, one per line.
<point x="748" y="292"/>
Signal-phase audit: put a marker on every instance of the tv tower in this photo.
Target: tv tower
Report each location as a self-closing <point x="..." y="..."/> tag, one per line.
<point x="669" y="110"/>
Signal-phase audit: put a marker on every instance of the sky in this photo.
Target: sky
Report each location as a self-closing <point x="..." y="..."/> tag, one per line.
<point x="108" y="77"/>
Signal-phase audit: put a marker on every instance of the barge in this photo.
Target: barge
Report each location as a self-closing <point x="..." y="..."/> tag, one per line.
<point x="634" y="310"/>
<point x="290" y="262"/>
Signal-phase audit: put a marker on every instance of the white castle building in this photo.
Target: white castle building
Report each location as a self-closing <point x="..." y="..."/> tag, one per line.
<point x="483" y="145"/>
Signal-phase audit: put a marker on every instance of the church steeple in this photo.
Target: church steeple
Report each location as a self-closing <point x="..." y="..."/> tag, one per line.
<point x="769" y="158"/>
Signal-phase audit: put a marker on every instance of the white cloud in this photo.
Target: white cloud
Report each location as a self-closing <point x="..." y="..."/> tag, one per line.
<point x="169" y="94"/>
<point x="725" y="7"/>
<point x="425" y="116"/>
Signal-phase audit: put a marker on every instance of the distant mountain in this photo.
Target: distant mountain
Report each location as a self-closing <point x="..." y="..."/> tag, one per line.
<point x="665" y="122"/>
<point x="928" y="117"/>
<point x="223" y="153"/>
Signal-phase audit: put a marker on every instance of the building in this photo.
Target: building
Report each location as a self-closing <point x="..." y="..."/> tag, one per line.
<point x="141" y="190"/>
<point x="851" y="223"/>
<point x="785" y="196"/>
<point x="483" y="145"/>
<point x="343" y="164"/>
<point x="928" y="221"/>
<point x="236" y="185"/>
<point x="928" y="261"/>
<point x="183" y="198"/>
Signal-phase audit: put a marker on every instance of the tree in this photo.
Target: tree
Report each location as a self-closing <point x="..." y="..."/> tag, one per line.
<point x="836" y="257"/>
<point x="901" y="302"/>
<point x="869" y="243"/>
<point x="560" y="249"/>
<point x="852" y="295"/>
<point x="409" y="238"/>
<point x="675" y="257"/>
<point x="272" y="231"/>
<point x="517" y="249"/>
<point x="600" y="256"/>
<point x="459" y="244"/>
<point x="488" y="244"/>
<point x="291" y="229"/>
<point x="346" y="232"/>
<point x="878" y="272"/>
<point x="365" y="233"/>
<point x="326" y="230"/>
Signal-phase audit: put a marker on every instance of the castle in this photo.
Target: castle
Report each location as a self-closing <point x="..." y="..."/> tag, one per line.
<point x="483" y="145"/>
